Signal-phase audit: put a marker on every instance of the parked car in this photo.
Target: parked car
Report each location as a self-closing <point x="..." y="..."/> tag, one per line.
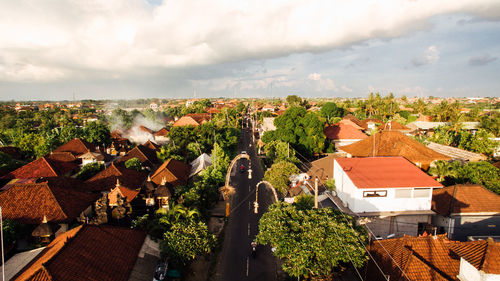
<point x="161" y="271"/>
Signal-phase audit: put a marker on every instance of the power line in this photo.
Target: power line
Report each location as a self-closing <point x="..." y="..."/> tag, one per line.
<point x="371" y="233"/>
<point x="362" y="244"/>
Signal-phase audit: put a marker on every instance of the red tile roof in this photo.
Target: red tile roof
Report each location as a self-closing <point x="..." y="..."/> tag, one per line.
<point x="353" y="119"/>
<point x="42" y="167"/>
<point x="193" y="119"/>
<point x="174" y="171"/>
<point x="146" y="129"/>
<point x="161" y="132"/>
<point x="364" y="123"/>
<point x="420" y="258"/>
<point x="62" y="156"/>
<point x="343" y="132"/>
<point x="393" y="143"/>
<point x="395" y="126"/>
<point x="106" y="179"/>
<point x="146" y="155"/>
<point x="350" y="123"/>
<point x="76" y="147"/>
<point x="465" y="198"/>
<point x="88" y="252"/>
<point x="58" y="199"/>
<point x="483" y="255"/>
<point x="213" y="110"/>
<point x="151" y="145"/>
<point x="385" y="172"/>
<point x="128" y="193"/>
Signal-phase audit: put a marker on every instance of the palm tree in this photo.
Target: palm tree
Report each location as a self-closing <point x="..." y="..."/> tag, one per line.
<point x="440" y="170"/>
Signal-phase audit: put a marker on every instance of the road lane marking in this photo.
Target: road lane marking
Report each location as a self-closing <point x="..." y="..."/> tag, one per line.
<point x="249" y="206"/>
<point x="248" y="229"/>
<point x="248" y="263"/>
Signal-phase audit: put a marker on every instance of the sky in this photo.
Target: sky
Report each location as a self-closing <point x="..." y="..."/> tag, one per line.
<point x="129" y="49"/>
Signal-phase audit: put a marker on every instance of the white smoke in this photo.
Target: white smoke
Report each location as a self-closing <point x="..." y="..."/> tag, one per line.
<point x="140" y="136"/>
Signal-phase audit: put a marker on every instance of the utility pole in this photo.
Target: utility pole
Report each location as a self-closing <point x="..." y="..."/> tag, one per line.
<point x="288" y="151"/>
<point x="316" y="193"/>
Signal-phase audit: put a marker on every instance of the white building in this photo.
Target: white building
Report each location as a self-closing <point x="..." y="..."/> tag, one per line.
<point x="393" y="194"/>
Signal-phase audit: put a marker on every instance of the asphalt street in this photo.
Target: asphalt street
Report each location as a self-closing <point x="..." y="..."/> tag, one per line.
<point x="236" y="262"/>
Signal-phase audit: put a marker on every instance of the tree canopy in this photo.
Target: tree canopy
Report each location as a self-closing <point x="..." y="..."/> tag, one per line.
<point x="279" y="173"/>
<point x="302" y="129"/>
<point x="311" y="243"/>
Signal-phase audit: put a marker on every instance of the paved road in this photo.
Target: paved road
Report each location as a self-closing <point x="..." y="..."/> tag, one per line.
<point x="236" y="262"/>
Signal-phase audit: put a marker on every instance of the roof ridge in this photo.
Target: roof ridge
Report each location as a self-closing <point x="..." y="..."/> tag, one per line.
<point x="55" y="198"/>
<point x="429" y="264"/>
<point x="66" y="243"/>
<point x="50" y="166"/>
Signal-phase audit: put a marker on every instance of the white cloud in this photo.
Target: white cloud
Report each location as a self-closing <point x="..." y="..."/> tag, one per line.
<point x="430" y="56"/>
<point x="65" y="39"/>
<point x="314" y="76"/>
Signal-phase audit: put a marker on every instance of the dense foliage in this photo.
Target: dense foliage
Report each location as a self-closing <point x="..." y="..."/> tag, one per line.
<point x="311" y="242"/>
<point x="455" y="172"/>
<point x="134" y="164"/>
<point x="302" y="129"/>
<point x="89" y="170"/>
<point x="278" y="175"/>
<point x="479" y="142"/>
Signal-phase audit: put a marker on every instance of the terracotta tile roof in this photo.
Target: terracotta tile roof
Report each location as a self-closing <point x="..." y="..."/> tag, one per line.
<point x="32" y="271"/>
<point x="350" y="123"/>
<point x="395" y="126"/>
<point x="343" y="132"/>
<point x="385" y="172"/>
<point x="322" y="168"/>
<point x="146" y="155"/>
<point x="483" y="255"/>
<point x="151" y="145"/>
<point x="364" y="122"/>
<point x="106" y="179"/>
<point x="42" y="167"/>
<point x="88" y="252"/>
<point x="393" y="143"/>
<point x="116" y="134"/>
<point x="128" y="193"/>
<point x="465" y="198"/>
<point x="145" y="129"/>
<point x="62" y="156"/>
<point x="421" y="258"/>
<point x="192" y="119"/>
<point x="58" y="199"/>
<point x="353" y="119"/>
<point x="161" y="132"/>
<point x="76" y="147"/>
<point x="174" y="171"/>
<point x="213" y="110"/>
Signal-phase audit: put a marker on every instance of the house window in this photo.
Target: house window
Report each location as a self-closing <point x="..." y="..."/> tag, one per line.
<point x="421" y="192"/>
<point x="377" y="193"/>
<point x="403" y="193"/>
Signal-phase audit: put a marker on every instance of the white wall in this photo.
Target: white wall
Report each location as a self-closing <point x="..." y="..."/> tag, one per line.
<point x="468" y="272"/>
<point x="349" y="193"/>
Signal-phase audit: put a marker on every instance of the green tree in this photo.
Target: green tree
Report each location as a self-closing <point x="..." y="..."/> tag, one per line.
<point x="330" y="110"/>
<point x="293" y="100"/>
<point x="303" y="130"/>
<point x="280" y="151"/>
<point x="7" y="163"/>
<point x="134" y="164"/>
<point x="183" y="242"/>
<point x="278" y="175"/>
<point x="311" y="243"/>
<point x="89" y="170"/>
<point x="97" y="133"/>
<point x="304" y="202"/>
